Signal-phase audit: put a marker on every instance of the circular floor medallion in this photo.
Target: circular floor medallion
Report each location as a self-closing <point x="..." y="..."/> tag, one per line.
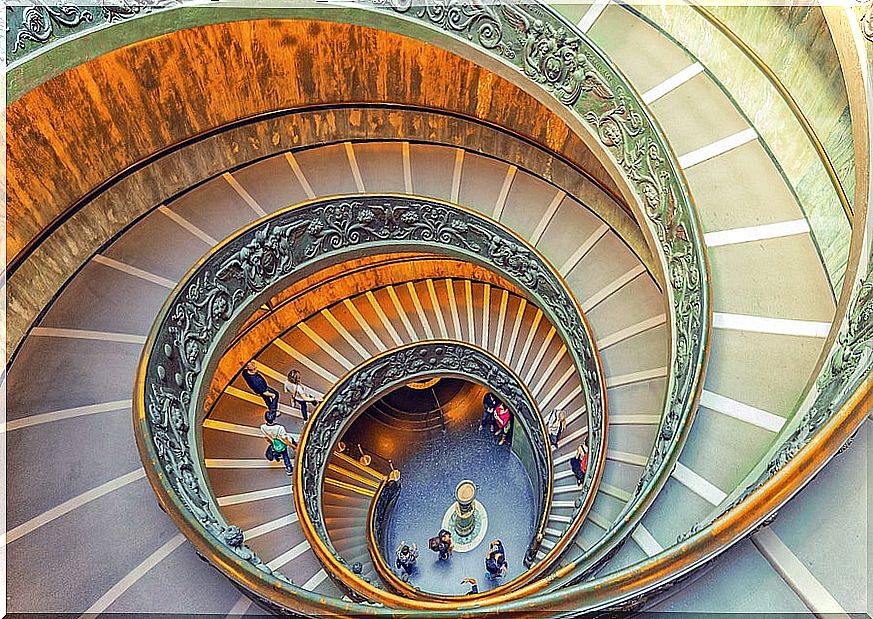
<point x="467" y="542"/>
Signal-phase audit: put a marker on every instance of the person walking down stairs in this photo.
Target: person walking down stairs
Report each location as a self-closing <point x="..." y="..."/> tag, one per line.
<point x="302" y="395"/>
<point x="579" y="463"/>
<point x="278" y="441"/>
<point x="258" y="384"/>
<point x="555" y="424"/>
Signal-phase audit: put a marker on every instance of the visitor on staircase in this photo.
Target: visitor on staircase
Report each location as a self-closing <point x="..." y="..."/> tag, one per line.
<point x="278" y="441"/>
<point x="302" y="395"/>
<point x="442" y="545"/>
<point x="579" y="463"/>
<point x="503" y="420"/>
<point x="555" y="424"/>
<point x="257" y="383"/>
<point x="474" y="586"/>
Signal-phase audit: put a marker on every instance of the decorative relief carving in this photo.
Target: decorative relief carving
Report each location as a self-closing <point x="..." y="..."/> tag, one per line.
<point x="384" y="373"/>
<point x="233" y="277"/>
<point x="478" y="20"/>
<point x="552" y="53"/>
<point x="37" y="23"/>
<point x="30" y="26"/>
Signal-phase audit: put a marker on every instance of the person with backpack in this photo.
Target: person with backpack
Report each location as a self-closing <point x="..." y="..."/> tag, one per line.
<point x="442" y="544"/>
<point x="406" y="557"/>
<point x="278" y="441"/>
<point x="495" y="560"/>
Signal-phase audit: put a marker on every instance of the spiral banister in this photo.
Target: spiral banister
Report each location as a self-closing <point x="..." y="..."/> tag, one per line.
<point x="366" y="384"/>
<point x="528" y="43"/>
<point x="245" y="269"/>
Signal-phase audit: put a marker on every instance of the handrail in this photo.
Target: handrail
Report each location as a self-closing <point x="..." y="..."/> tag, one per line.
<point x="368" y="382"/>
<point x="631" y="585"/>
<point x="790" y="101"/>
<point x="531" y="39"/>
<point x="240" y="272"/>
<point x="386" y="495"/>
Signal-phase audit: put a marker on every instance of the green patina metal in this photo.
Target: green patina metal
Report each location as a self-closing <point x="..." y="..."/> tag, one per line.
<point x="534" y="43"/>
<point x="559" y="59"/>
<point x="378" y="376"/>
<point x="244" y="269"/>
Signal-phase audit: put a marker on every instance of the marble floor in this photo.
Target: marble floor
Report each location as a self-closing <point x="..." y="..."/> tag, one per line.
<point x="428" y="483"/>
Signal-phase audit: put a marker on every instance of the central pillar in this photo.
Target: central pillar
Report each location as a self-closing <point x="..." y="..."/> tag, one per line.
<point x="465" y="515"/>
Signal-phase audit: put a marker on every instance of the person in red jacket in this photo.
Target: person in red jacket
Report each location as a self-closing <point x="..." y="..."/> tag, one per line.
<point x="579" y="463"/>
<point x="503" y="419"/>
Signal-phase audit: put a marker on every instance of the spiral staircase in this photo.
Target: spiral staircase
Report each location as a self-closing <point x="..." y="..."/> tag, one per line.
<point x="643" y="215"/>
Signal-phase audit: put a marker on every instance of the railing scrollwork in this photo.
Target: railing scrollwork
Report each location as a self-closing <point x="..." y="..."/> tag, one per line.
<point x="372" y="380"/>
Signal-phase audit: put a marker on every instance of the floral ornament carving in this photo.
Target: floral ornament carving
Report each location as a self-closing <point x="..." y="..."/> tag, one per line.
<point x="31" y="25"/>
<point x="477" y="20"/>
<point x="38" y="21"/>
<point x="374" y="378"/>
<point x="271" y="252"/>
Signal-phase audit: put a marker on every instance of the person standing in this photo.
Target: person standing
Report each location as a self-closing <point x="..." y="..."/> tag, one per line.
<point x="442" y="545"/>
<point x="556" y="422"/>
<point x="406" y="557"/>
<point x="489" y="403"/>
<point x="474" y="586"/>
<point x="278" y="441"/>
<point x="258" y="384"/>
<point x="503" y="419"/>
<point x="579" y="463"/>
<point x="495" y="560"/>
<point x="300" y="393"/>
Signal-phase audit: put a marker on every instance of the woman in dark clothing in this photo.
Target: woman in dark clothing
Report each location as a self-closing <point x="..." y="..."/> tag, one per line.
<point x="442" y="544"/>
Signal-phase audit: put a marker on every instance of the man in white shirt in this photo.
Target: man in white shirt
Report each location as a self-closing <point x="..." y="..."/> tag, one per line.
<point x="300" y="393"/>
<point x="279" y="441"/>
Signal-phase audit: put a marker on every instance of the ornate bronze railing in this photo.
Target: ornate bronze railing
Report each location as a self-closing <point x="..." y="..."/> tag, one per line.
<point x="377" y="517"/>
<point x="639" y="151"/>
<point x="366" y="384"/>
<point x="213" y="300"/>
<point x="533" y="46"/>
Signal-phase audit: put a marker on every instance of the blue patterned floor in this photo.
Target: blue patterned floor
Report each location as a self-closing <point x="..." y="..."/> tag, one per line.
<point x="428" y="484"/>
